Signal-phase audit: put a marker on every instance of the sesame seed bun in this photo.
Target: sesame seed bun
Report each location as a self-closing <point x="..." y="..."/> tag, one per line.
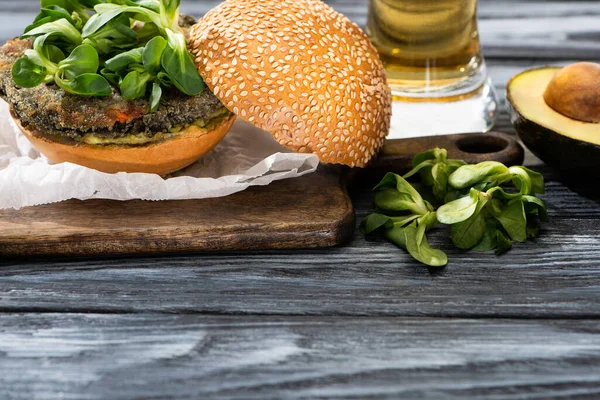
<point x="160" y="158"/>
<point x="299" y="70"/>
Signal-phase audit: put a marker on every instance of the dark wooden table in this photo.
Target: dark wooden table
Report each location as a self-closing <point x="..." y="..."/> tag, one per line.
<point x="359" y="321"/>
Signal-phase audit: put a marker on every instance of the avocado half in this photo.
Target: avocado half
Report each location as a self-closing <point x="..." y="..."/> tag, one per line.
<point x="570" y="145"/>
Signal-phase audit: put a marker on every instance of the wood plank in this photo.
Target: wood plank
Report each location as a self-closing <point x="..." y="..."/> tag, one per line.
<point x="558" y="279"/>
<point x="311" y="211"/>
<point x="189" y="357"/>
<point x="555" y="275"/>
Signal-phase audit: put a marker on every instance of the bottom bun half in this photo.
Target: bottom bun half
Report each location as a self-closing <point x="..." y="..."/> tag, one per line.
<point x="159" y="158"/>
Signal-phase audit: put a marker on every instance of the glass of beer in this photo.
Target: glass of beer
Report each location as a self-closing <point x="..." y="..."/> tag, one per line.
<point x="431" y="52"/>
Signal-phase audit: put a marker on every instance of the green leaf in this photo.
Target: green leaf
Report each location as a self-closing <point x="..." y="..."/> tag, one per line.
<point x="178" y="63"/>
<point x="57" y="12"/>
<point x="38" y="22"/>
<point x="121" y="31"/>
<point x="107" y="12"/>
<point x="396" y="235"/>
<point x="155" y="96"/>
<point x="429" y="220"/>
<point x="169" y="11"/>
<point x="440" y="174"/>
<point x="133" y="85"/>
<point x="138" y="68"/>
<point x="86" y="85"/>
<point x="489" y="240"/>
<point x="152" y="55"/>
<point x="434" y="169"/>
<point x="27" y="74"/>
<point x="111" y="76"/>
<point x="113" y="38"/>
<point x="61" y="28"/>
<point x="512" y="217"/>
<point x="423" y="162"/>
<point x="469" y="233"/>
<point x="388" y="181"/>
<point x="469" y="175"/>
<point x="521" y="179"/>
<point x="418" y="168"/>
<point x="72" y="7"/>
<point x="526" y="180"/>
<point x="41" y="53"/>
<point x="164" y="79"/>
<point x="534" y="205"/>
<point x="414" y="241"/>
<point x="121" y="61"/>
<point x="104" y="14"/>
<point x="53" y="53"/>
<point x="403" y="220"/>
<point x="459" y="210"/>
<point x="418" y="246"/>
<point x="375" y="221"/>
<point x="455" y="164"/>
<point x="537" y="181"/>
<point x="153" y="5"/>
<point x="83" y="60"/>
<point x="401" y="185"/>
<point x="49" y="14"/>
<point x="392" y="200"/>
<point x="89" y="3"/>
<point x="406" y="193"/>
<point x="147" y="32"/>
<point x="433" y="154"/>
<point x="498" y="193"/>
<point x="503" y="243"/>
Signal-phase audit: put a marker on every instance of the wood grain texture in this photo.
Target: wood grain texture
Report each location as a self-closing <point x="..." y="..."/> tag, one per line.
<point x="397" y="154"/>
<point x="138" y="349"/>
<point x="311" y="211"/>
<point x="192" y="357"/>
<point x="555" y="275"/>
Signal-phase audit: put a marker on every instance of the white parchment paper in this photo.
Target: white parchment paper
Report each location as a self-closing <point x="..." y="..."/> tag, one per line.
<point x="246" y="157"/>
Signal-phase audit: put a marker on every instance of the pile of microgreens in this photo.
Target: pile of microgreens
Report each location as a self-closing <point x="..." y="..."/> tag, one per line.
<point x="85" y="45"/>
<point x="483" y="215"/>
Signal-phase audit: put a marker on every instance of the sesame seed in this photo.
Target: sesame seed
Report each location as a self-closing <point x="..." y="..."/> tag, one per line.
<point x="323" y="77"/>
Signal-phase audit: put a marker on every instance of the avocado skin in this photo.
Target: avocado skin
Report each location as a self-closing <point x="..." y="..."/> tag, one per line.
<point x="572" y="157"/>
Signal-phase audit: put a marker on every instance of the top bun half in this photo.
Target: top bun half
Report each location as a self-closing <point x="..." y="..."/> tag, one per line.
<point x="299" y="70"/>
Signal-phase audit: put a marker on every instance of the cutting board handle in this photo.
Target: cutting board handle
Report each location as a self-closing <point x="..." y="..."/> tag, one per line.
<point x="397" y="154"/>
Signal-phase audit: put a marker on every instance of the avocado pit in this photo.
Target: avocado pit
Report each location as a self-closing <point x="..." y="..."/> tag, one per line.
<point x="575" y="92"/>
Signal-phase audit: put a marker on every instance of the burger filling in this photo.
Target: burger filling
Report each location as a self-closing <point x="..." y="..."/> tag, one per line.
<point x="207" y="124"/>
<point x="49" y="111"/>
<point x="127" y="78"/>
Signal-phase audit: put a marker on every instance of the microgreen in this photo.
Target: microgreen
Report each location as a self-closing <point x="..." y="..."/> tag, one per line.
<point x="27" y="73"/>
<point x="85" y="46"/>
<point x="434" y="168"/>
<point x="410" y="218"/>
<point x="60" y="29"/>
<point x="487" y="205"/>
<point x="179" y="65"/>
<point x="152" y="55"/>
<point x="75" y="74"/>
<point x="74" y="11"/>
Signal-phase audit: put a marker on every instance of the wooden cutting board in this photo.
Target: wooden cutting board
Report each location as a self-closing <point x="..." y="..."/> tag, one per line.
<point x="311" y="211"/>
